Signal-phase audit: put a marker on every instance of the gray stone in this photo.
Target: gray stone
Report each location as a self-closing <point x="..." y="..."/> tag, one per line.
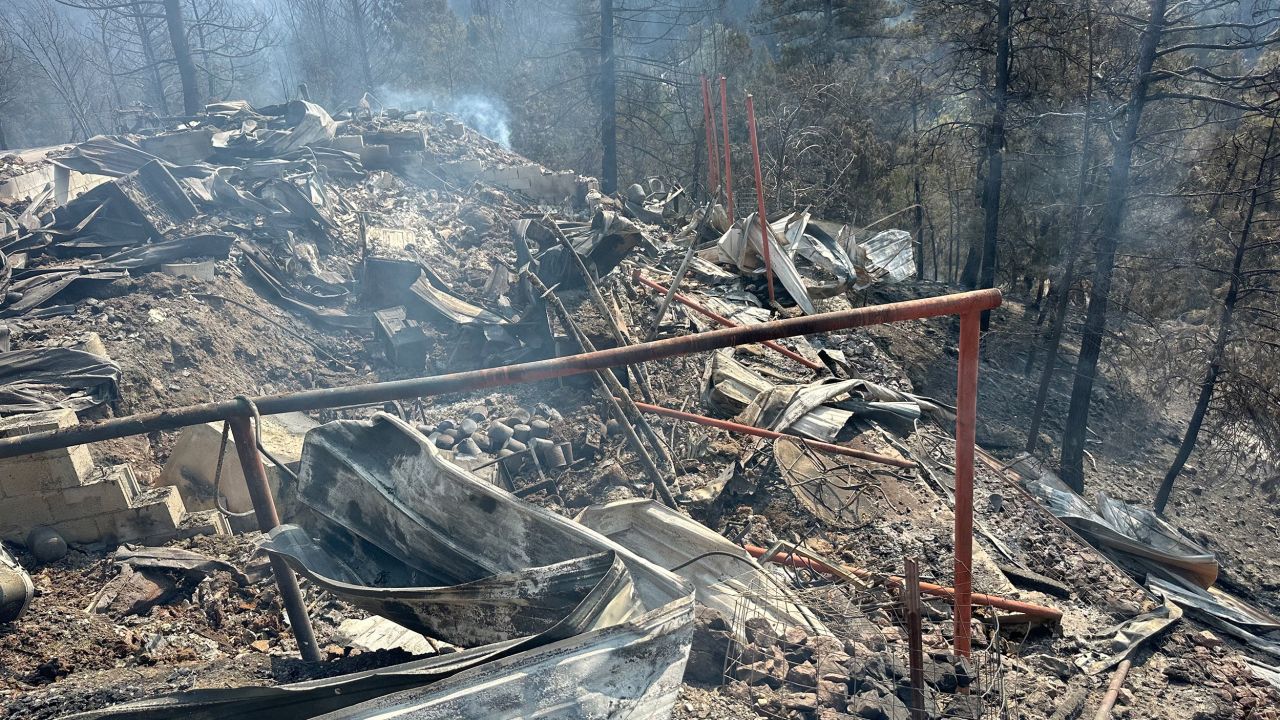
<point x="873" y="706"/>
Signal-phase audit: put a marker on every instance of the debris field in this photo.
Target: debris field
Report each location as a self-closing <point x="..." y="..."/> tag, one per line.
<point x="758" y="529"/>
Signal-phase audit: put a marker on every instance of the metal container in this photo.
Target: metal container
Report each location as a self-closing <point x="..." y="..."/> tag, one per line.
<point x="16" y="589"/>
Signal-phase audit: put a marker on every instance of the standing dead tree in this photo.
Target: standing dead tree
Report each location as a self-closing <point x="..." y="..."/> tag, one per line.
<point x="1182" y="58"/>
<point x="44" y="35"/>
<point x="157" y="37"/>
<point x="1251" y="183"/>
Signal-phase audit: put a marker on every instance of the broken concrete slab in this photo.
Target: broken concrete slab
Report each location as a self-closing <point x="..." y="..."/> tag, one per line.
<point x="194" y="460"/>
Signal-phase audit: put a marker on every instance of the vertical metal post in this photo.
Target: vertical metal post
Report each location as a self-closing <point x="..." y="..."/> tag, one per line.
<point x="761" y="219"/>
<point x="966" y="430"/>
<point x="728" y="164"/>
<point x="264" y="509"/>
<point x="915" y="637"/>
<point x="713" y="152"/>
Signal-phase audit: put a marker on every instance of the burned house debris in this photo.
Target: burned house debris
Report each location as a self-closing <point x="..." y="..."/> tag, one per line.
<point x="369" y="445"/>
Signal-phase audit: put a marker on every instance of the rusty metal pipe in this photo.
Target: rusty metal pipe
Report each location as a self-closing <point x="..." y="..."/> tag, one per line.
<point x="966" y="441"/>
<point x="1038" y="612"/>
<point x="761" y="219"/>
<point x="1113" y="691"/>
<point x="728" y="164"/>
<point x="773" y="435"/>
<point x="726" y="322"/>
<point x="369" y="393"/>
<point x="264" y="509"/>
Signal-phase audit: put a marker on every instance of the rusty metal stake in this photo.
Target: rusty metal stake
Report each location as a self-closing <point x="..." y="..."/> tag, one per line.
<point x="264" y="509"/>
<point x="713" y="153"/>
<point x="966" y="432"/>
<point x="728" y="164"/>
<point x="761" y="219"/>
<point x="915" y="637"/>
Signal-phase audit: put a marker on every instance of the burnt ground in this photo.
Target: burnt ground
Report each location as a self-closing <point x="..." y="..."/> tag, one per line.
<point x="182" y="341"/>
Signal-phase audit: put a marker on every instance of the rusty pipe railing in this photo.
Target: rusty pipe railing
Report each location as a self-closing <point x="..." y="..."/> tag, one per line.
<point x="373" y="393"/>
<point x="264" y="509"/>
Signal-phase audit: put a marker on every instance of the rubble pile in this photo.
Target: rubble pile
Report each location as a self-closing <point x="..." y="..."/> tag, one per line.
<point x="794" y="674"/>
<point x="740" y="519"/>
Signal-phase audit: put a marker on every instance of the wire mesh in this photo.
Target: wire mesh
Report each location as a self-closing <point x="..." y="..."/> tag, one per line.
<point x="861" y="667"/>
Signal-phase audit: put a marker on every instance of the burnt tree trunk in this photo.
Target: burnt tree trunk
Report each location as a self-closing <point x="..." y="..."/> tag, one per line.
<point x="608" y="102"/>
<point x="149" y="54"/>
<point x="918" y="214"/>
<point x="359" y="22"/>
<point x="1214" y="368"/>
<point x="1073" y="436"/>
<point x="191" y="103"/>
<point x="1062" y="301"/>
<point x="995" y="155"/>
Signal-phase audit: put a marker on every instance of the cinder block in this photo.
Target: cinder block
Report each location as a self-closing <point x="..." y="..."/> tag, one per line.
<point x="348" y="143"/>
<point x="375" y="157"/>
<point x="470" y="167"/>
<point x="19" y="515"/>
<point x="159" y="512"/>
<point x="516" y="184"/>
<point x="82" y="531"/>
<point x="506" y="175"/>
<point x="47" y="471"/>
<point x="116" y="491"/>
<point x="27" y="185"/>
<point x="194" y="459"/>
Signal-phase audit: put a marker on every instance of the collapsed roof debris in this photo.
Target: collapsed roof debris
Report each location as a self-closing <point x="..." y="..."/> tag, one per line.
<point x="802" y="556"/>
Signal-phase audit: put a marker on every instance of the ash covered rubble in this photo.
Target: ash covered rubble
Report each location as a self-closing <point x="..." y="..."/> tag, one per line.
<point x="392" y="245"/>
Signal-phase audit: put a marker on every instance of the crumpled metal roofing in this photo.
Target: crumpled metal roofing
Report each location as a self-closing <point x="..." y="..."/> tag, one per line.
<point x="375" y="499"/>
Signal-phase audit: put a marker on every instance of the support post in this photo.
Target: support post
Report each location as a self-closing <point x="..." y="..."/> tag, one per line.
<point x="728" y="164"/>
<point x="761" y="219"/>
<point x="713" y="153"/>
<point x="264" y="509"/>
<point x="915" y="637"/>
<point x="966" y="431"/>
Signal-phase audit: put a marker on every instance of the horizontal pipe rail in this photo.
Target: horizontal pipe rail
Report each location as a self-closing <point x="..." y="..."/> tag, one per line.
<point x="370" y="393"/>
<point x="773" y="435"/>
<point x="1038" y="612"/>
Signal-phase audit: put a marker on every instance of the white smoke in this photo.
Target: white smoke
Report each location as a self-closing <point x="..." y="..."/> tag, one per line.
<point x="488" y="116"/>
